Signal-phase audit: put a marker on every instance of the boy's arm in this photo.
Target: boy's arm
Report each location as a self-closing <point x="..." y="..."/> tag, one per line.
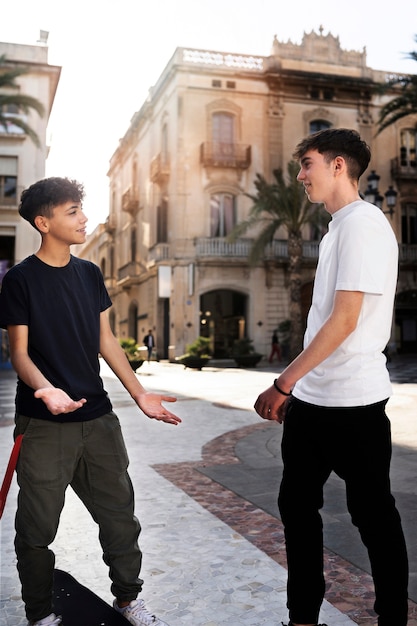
<point x="113" y="354"/>
<point x="340" y="324"/>
<point x="56" y="400"/>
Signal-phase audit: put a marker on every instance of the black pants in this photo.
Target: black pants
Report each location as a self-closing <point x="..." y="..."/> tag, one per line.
<point x="356" y="444"/>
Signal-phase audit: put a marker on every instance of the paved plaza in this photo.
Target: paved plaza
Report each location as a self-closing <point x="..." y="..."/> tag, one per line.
<point x="206" y="498"/>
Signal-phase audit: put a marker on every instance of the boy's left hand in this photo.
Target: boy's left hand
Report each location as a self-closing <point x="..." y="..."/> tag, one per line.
<point x="151" y="405"/>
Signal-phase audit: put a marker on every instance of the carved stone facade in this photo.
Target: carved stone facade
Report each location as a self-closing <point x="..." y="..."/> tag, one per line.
<point x="21" y="161"/>
<point x="179" y="181"/>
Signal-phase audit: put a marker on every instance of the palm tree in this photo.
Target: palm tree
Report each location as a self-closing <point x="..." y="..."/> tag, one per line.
<point x="402" y="105"/>
<point x="276" y="204"/>
<point x="10" y="99"/>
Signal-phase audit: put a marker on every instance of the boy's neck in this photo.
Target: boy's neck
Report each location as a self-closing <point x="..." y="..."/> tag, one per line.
<point x="55" y="255"/>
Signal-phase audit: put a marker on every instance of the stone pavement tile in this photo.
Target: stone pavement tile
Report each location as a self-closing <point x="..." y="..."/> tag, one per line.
<point x="199" y="567"/>
<point x="349" y="589"/>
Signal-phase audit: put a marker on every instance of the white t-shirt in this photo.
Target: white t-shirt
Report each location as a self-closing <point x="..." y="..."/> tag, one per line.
<point x="359" y="253"/>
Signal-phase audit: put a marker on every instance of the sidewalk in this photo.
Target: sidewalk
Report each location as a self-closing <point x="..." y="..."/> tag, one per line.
<point x="206" y="498"/>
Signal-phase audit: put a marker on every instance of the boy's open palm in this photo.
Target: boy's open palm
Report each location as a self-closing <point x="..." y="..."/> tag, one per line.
<point x="151" y="405"/>
<point x="57" y="401"/>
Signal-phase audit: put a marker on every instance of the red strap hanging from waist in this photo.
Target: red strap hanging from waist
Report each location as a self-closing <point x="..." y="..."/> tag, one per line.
<point x="9" y="472"/>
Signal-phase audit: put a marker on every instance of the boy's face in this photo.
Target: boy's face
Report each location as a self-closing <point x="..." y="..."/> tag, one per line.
<point x="316" y="174"/>
<point x="67" y="223"/>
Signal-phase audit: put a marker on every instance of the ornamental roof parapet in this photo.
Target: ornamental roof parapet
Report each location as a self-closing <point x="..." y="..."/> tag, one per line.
<point x="319" y="48"/>
<point x="223" y="59"/>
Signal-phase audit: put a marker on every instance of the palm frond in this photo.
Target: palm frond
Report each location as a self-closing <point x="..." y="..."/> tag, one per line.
<point x="21" y="102"/>
<point x="402" y="105"/>
<point x="276" y="204"/>
<point x="19" y="123"/>
<point x="9" y="74"/>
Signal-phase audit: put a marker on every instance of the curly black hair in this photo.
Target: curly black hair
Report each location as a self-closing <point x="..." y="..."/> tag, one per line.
<point x="43" y="196"/>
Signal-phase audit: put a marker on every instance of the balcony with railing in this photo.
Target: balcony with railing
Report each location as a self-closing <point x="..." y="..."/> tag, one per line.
<point x="160" y="169"/>
<point x="110" y="283"/>
<point x="403" y="168"/>
<point x="110" y="224"/>
<point x="408" y="253"/>
<point x="130" y="201"/>
<point x="129" y="274"/>
<point x="8" y="200"/>
<point x="219" y="154"/>
<point x="10" y="196"/>
<point x="278" y="249"/>
<point x="158" y="252"/>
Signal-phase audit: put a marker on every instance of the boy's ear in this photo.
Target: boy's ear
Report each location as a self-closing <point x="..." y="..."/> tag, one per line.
<point x="41" y="223"/>
<point x="339" y="164"/>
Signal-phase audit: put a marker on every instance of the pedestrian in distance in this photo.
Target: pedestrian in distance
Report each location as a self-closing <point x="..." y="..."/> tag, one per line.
<point x="149" y="342"/>
<point x="54" y="307"/>
<point x="275" y="348"/>
<point x="331" y="398"/>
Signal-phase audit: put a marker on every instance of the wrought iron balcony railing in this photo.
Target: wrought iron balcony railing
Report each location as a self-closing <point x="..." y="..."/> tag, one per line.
<point x="160" y="169"/>
<point x="221" y="247"/>
<point x="219" y="154"/>
<point x="130" y="201"/>
<point x="400" y="169"/>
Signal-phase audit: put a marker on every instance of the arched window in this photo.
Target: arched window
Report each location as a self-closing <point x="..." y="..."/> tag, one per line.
<point x="409" y="223"/>
<point x="162" y="222"/>
<point x="111" y="273"/>
<point x="8" y="179"/>
<point x="408" y="148"/>
<point x="316" y="125"/>
<point x="164" y="146"/>
<point x="132" y="321"/>
<point x="133" y="244"/>
<point x="223" y="128"/>
<point x="223" y="136"/>
<point x="112" y="321"/>
<point x="134" y="176"/>
<point x="222" y="214"/>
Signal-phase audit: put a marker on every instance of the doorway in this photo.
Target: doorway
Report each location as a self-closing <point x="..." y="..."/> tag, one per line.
<point x="223" y="318"/>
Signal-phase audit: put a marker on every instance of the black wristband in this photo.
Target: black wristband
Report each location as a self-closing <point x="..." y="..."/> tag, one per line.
<point x="284" y="393"/>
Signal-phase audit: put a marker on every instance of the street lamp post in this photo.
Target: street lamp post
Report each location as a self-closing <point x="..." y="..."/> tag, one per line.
<point x="391" y="200"/>
<point x="372" y="194"/>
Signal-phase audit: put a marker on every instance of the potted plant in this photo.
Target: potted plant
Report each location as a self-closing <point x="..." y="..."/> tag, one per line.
<point x="244" y="353"/>
<point x="132" y="352"/>
<point x="197" y="353"/>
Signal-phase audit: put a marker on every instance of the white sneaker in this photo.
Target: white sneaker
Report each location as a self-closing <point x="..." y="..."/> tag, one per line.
<point x="137" y="614"/>
<point x="51" y="620"/>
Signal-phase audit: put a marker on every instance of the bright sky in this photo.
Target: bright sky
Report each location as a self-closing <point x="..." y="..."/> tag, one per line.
<point x="112" y="52"/>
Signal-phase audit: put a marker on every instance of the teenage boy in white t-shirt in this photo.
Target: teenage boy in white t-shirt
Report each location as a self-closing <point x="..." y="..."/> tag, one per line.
<point x="332" y="397"/>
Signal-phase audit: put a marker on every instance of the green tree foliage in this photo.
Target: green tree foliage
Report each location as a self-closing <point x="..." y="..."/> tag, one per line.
<point x="12" y="99"/>
<point x="282" y="203"/>
<point x="405" y="103"/>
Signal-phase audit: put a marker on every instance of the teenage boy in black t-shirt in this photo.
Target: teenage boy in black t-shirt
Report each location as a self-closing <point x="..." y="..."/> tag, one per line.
<point x="54" y="307"/>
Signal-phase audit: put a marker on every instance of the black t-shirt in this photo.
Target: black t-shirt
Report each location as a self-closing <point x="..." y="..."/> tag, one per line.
<point x="61" y="307"/>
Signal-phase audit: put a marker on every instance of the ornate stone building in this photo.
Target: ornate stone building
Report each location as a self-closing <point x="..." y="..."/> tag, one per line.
<point x="21" y="161"/>
<point x="180" y="175"/>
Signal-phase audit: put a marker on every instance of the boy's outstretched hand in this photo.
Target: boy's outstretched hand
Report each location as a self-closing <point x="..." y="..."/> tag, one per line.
<point x="151" y="405"/>
<point x="57" y="401"/>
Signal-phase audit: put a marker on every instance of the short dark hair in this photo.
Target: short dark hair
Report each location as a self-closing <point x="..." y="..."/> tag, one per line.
<point x="43" y="196"/>
<point x="333" y="142"/>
